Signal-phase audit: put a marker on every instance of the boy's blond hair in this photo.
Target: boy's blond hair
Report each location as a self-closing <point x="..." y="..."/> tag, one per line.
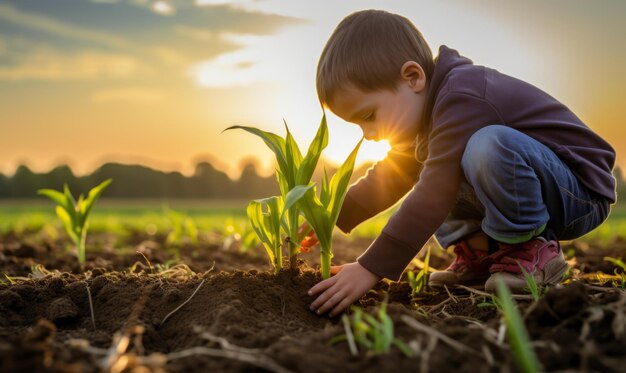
<point x="367" y="49"/>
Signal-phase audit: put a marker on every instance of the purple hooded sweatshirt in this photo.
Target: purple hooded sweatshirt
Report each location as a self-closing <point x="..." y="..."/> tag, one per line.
<point x="462" y="98"/>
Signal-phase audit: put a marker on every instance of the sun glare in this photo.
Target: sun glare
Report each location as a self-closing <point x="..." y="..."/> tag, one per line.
<point x="374" y="150"/>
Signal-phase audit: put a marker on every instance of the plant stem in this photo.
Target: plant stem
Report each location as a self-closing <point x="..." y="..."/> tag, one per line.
<point x="293" y="255"/>
<point x="81" y="244"/>
<point x="325" y="262"/>
<point x="293" y="236"/>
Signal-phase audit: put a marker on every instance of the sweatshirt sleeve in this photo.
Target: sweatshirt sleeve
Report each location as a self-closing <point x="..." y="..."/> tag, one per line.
<point x="383" y="185"/>
<point x="455" y="118"/>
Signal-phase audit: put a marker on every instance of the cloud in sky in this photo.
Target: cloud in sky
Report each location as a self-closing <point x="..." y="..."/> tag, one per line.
<point x="13" y="15"/>
<point x="29" y="60"/>
<point x="135" y="29"/>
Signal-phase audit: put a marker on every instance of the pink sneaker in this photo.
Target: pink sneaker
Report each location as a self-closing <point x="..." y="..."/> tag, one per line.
<point x="469" y="268"/>
<point x="540" y="258"/>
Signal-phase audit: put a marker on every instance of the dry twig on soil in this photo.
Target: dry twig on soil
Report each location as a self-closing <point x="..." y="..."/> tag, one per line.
<point x="185" y="302"/>
<point x="444" y="338"/>
<point x="93" y="318"/>
<point x="485" y="294"/>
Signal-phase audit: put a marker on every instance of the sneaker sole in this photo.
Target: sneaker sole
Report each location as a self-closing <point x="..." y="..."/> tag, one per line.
<point x="560" y="269"/>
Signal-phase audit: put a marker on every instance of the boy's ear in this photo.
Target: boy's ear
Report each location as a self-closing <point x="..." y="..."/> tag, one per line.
<point x="413" y="74"/>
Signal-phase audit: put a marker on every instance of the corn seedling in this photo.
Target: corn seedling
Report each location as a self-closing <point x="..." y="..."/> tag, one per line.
<point x="182" y="226"/>
<point x="73" y="214"/>
<point x="517" y="333"/>
<point x="322" y="212"/>
<point x="293" y="169"/>
<point x="419" y="282"/>
<point x="240" y="236"/>
<point x="531" y="284"/>
<point x="9" y="279"/>
<point x="620" y="281"/>
<point x="267" y="218"/>
<point x="376" y="335"/>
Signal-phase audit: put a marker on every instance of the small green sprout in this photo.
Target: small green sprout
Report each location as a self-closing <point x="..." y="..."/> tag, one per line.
<point x="182" y="226"/>
<point x="517" y="333"/>
<point x="531" y="284"/>
<point x="376" y="335"/>
<point x="620" y="280"/>
<point x="419" y="282"/>
<point x="75" y="215"/>
<point x="11" y="281"/>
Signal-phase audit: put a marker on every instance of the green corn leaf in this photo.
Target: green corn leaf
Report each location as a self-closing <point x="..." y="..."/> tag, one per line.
<point x="339" y="184"/>
<point x="387" y="329"/>
<point x="257" y="221"/>
<point x="293" y="151"/>
<point x="319" y="143"/>
<point x="68" y="193"/>
<point x="56" y="196"/>
<point x="283" y="184"/>
<point x="517" y="333"/>
<point x="290" y="225"/>
<point x="274" y="142"/>
<point x="66" y="219"/>
<point x="94" y="194"/>
<point x="64" y="202"/>
<point x="295" y="195"/>
<point x="275" y="205"/>
<point x="72" y="209"/>
<point x="316" y="216"/>
<point x="325" y="192"/>
<point x="406" y="350"/>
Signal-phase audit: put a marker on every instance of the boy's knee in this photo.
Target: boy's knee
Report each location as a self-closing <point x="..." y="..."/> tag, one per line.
<point x="484" y="149"/>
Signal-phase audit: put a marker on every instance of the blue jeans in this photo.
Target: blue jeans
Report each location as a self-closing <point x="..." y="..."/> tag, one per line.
<point x="516" y="188"/>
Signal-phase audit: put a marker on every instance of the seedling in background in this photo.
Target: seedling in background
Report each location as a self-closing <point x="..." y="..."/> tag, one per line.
<point x="293" y="169"/>
<point x="238" y="235"/>
<point x="418" y="282"/>
<point x="531" y="284"/>
<point x="182" y="226"/>
<point x="516" y="331"/>
<point x="376" y="335"/>
<point x="75" y="215"/>
<point x="620" y="280"/>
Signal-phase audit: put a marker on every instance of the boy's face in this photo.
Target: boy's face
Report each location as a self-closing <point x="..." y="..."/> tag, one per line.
<point x="394" y="116"/>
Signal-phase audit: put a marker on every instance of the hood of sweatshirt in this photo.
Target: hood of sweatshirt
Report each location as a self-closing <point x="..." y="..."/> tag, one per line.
<point x="446" y="60"/>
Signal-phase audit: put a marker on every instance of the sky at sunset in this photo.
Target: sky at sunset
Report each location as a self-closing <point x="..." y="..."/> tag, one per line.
<point x="155" y="82"/>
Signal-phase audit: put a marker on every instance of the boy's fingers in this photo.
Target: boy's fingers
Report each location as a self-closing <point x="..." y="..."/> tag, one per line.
<point x="335" y="269"/>
<point x="322" y="286"/>
<point x="345" y="303"/>
<point x="322" y="299"/>
<point x="337" y="298"/>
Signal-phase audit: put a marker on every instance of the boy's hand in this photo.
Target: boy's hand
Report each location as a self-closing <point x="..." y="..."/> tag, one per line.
<point x="349" y="282"/>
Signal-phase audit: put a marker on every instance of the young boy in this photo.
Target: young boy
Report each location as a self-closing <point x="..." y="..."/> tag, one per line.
<point x="492" y="165"/>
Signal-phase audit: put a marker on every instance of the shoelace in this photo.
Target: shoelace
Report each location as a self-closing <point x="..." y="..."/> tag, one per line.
<point x="510" y="257"/>
<point x="466" y="257"/>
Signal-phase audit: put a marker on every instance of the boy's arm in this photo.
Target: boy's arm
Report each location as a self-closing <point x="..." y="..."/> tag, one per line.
<point x="425" y="208"/>
<point x="383" y="185"/>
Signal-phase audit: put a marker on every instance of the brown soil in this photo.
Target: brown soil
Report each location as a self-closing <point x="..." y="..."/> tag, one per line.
<point x="250" y="319"/>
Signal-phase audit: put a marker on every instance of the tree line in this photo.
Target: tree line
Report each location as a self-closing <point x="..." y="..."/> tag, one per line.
<point x="136" y="181"/>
